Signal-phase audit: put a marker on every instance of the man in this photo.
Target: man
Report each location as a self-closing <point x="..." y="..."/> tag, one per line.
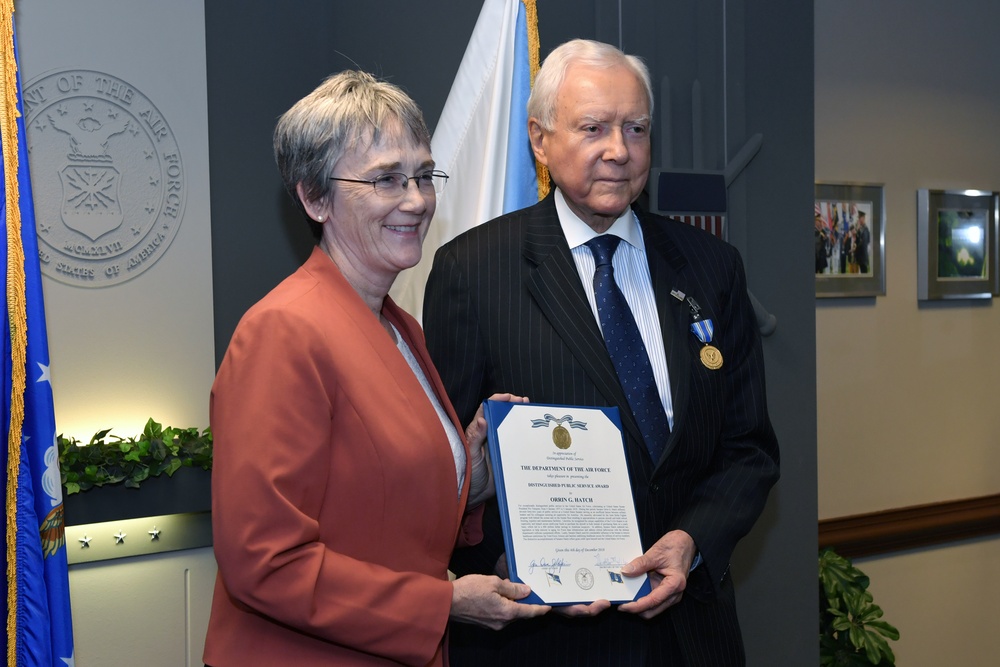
<point x="864" y="237"/>
<point x="822" y="241"/>
<point x="510" y="304"/>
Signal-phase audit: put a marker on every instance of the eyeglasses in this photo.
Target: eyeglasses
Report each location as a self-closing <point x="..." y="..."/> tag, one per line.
<point x="395" y="184"/>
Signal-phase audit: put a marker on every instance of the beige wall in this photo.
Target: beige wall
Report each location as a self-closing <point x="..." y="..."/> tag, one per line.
<point x="908" y="95"/>
<point x="150" y="610"/>
<point x="122" y="352"/>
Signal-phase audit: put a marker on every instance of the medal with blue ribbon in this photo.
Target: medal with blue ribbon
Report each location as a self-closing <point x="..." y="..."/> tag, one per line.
<point x="703" y="330"/>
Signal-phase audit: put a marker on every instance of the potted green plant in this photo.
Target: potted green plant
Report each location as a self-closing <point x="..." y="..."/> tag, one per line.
<point x="101" y="478"/>
<point x="851" y="632"/>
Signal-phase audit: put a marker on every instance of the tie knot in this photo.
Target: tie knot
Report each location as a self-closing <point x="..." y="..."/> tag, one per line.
<point x="603" y="248"/>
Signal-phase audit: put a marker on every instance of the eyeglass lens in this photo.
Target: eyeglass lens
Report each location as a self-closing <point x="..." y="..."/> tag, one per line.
<point x="396" y="183"/>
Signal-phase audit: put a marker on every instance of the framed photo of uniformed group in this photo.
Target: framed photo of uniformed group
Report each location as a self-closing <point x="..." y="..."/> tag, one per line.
<point x="957" y="243"/>
<point x="849" y="232"/>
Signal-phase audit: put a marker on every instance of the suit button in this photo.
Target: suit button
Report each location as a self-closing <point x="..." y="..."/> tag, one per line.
<point x="655" y="488"/>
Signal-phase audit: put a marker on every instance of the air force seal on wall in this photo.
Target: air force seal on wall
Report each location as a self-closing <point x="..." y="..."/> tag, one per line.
<point x="108" y="180"/>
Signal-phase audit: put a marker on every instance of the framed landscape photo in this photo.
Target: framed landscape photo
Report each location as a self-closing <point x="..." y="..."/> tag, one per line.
<point x="849" y="231"/>
<point x="957" y="238"/>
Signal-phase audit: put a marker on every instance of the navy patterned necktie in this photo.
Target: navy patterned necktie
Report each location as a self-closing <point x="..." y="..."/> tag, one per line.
<point x="628" y="353"/>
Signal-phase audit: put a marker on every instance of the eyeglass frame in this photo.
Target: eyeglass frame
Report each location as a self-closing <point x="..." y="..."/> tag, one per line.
<point x="406" y="183"/>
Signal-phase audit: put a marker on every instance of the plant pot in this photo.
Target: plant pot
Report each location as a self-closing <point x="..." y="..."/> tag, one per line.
<point x="189" y="490"/>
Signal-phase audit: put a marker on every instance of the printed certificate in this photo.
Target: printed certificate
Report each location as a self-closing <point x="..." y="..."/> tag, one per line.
<point x="565" y="501"/>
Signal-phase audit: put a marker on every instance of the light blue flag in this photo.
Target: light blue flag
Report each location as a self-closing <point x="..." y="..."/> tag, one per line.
<point x="44" y="635"/>
<point x="481" y="139"/>
<point x="520" y="186"/>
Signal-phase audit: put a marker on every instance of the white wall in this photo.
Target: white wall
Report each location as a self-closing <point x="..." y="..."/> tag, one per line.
<point x="908" y="95"/>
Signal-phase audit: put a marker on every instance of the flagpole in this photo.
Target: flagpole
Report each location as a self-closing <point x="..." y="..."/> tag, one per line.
<point x="16" y="309"/>
<point x="534" y="62"/>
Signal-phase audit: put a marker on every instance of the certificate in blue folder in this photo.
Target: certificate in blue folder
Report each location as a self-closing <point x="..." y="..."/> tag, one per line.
<point x="565" y="498"/>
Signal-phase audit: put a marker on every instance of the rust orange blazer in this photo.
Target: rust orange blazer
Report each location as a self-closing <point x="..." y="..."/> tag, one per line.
<point x="335" y="502"/>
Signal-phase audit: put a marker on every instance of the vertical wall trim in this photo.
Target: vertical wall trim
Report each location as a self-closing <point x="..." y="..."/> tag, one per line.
<point x="187" y="617"/>
<point x="621" y="36"/>
<point x="725" y="80"/>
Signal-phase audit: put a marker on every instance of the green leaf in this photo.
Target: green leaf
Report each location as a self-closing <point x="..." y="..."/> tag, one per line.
<point x="158" y="450"/>
<point x="884" y="629"/>
<point x="99" y="436"/>
<point x="152" y="430"/>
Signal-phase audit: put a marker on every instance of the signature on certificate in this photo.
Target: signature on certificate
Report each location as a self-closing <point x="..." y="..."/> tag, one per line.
<point x="554" y="565"/>
<point x="610" y="563"/>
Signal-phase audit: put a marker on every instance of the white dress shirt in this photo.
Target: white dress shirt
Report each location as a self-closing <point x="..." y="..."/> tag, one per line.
<point x="631" y="275"/>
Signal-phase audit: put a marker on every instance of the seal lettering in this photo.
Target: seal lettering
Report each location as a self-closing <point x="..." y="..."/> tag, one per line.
<point x="108" y="178"/>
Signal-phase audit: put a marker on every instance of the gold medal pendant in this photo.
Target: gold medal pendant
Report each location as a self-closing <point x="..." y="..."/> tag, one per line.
<point x="711" y="357"/>
<point x="560" y="436"/>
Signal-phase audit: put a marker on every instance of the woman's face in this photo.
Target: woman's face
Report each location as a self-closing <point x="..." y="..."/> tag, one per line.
<point x="371" y="236"/>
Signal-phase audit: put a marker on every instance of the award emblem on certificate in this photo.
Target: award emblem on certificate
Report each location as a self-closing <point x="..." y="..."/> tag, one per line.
<point x="565" y="501"/>
<point x="561" y="437"/>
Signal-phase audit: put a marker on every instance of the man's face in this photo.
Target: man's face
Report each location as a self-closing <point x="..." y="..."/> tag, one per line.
<point x="598" y="150"/>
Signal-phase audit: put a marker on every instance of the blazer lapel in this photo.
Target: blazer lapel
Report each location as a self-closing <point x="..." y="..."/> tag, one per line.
<point x="666" y="265"/>
<point x="554" y="283"/>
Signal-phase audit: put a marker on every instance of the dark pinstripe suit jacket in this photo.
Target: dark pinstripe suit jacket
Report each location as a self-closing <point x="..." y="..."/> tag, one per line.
<point x="505" y="310"/>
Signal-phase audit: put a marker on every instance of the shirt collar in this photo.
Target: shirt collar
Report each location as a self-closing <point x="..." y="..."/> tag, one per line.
<point x="577" y="232"/>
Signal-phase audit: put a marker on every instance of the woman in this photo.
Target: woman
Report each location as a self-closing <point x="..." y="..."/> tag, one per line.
<point x="341" y="475"/>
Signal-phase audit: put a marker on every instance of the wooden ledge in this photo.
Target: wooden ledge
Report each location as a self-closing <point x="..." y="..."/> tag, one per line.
<point x="911" y="527"/>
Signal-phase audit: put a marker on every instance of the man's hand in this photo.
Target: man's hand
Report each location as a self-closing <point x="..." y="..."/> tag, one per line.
<point x="581" y="610"/>
<point x="668" y="563"/>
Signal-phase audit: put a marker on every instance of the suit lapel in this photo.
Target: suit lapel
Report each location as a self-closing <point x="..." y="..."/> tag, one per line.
<point x="666" y="271"/>
<point x="554" y="283"/>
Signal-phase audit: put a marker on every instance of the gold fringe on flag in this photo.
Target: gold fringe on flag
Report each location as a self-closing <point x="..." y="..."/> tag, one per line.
<point x="16" y="309"/>
<point x="534" y="62"/>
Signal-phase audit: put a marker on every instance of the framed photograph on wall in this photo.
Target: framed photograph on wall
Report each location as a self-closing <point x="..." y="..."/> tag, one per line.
<point x="849" y="228"/>
<point x="957" y="237"/>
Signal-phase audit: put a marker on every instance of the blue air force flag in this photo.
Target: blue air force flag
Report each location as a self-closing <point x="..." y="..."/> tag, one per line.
<point x="39" y="626"/>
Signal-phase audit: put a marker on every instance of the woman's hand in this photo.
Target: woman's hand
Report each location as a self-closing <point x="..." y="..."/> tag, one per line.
<point x="572" y="610"/>
<point x="490" y="601"/>
<point x="476" y="432"/>
<point x="481" y="484"/>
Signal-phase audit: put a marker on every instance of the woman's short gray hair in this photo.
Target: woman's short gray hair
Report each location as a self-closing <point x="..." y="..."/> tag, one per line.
<point x="542" y="102"/>
<point x="347" y="111"/>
